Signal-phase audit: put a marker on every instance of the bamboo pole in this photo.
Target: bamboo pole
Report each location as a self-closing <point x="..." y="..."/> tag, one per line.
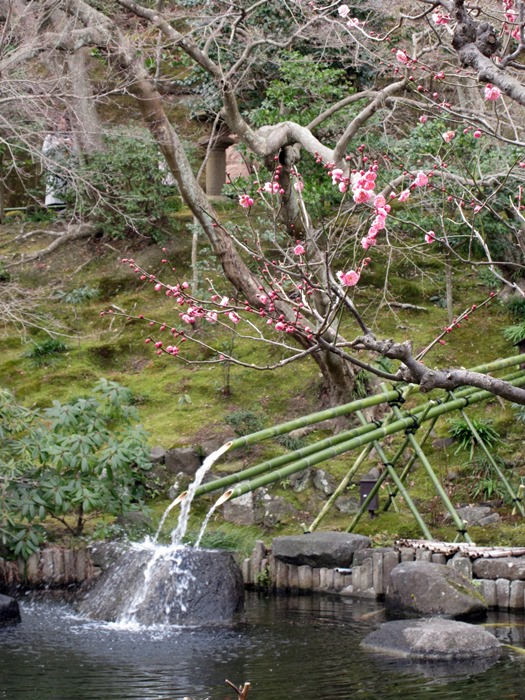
<point x="461" y="526"/>
<point x="344" y="483"/>
<point x="237" y="477"/>
<point x="312" y="418"/>
<point x="389" y="466"/>
<point x="353" y="406"/>
<point x="516" y="500"/>
<point x="281" y="460"/>
<point x="358" y="441"/>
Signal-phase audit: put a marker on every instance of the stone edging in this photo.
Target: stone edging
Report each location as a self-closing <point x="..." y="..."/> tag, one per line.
<point x="501" y="578"/>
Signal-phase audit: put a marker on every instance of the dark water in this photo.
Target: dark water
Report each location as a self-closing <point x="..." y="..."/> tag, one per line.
<point x="289" y="648"/>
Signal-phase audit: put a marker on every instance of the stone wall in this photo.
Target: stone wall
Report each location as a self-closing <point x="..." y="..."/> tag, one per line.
<point x="501" y="580"/>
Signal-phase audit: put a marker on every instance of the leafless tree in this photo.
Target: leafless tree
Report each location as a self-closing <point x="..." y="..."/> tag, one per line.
<point x="418" y="57"/>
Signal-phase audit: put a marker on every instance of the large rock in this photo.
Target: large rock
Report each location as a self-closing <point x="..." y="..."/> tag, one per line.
<point x="422" y="588"/>
<point x="9" y="611"/>
<point x="182" y="459"/>
<point x="319" y="549"/>
<point x="167" y="585"/>
<point x="433" y="640"/>
<point x="478" y="516"/>
<point x="511" y="568"/>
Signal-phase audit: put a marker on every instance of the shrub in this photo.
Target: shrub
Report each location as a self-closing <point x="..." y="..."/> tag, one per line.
<point x="123" y="189"/>
<point x="40" y="352"/>
<point x="462" y="434"/>
<point x="68" y="463"/>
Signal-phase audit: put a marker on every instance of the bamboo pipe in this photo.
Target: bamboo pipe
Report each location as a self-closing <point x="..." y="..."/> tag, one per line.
<point x="345" y="409"/>
<point x="378" y="433"/>
<point x="389" y="466"/>
<point x="312" y="418"/>
<point x="257" y="469"/>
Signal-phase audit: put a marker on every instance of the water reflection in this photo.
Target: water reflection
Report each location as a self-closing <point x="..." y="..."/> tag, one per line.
<point x="289" y="648"/>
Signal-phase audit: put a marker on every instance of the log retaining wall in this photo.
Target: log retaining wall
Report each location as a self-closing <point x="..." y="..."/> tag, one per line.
<point x="52" y="567"/>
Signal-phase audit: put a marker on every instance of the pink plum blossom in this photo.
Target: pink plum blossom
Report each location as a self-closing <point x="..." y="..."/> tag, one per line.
<point x="477" y="134"/>
<point x="343" y="11"/>
<point x="224" y="301"/>
<point x="423" y="119"/>
<point x="348" y="279"/>
<point x="492" y="92"/>
<point x="299" y="249"/>
<point x="271" y="187"/>
<point x="421" y="179"/>
<point x="337" y="175"/>
<point x="211" y="316"/>
<point x="448" y="136"/>
<point x="404" y="195"/>
<point x="402" y="57"/>
<point x="439" y="18"/>
<point x="430" y="236"/>
<point x="280" y="326"/>
<point x="245" y="201"/>
<point x="361" y="196"/>
<point x="234" y="318"/>
<point x="298" y="186"/>
<point x="353" y="22"/>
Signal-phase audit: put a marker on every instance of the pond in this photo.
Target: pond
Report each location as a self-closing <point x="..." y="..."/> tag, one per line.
<point x="300" y="648"/>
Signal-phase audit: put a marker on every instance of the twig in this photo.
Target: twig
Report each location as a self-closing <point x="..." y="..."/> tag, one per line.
<point x="241" y="692"/>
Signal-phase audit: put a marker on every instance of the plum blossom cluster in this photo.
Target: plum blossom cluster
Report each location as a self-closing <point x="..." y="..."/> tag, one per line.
<point x="221" y="308"/>
<point x="492" y="93"/>
<point x="382" y="210"/>
<point x="511" y="25"/>
<point x="344" y="11"/>
<point x="440" y="18"/>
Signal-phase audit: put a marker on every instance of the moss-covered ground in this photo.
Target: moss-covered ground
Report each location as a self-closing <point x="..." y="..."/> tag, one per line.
<point x="185" y="404"/>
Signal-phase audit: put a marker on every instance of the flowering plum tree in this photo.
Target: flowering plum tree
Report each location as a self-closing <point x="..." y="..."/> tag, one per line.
<point x="422" y="150"/>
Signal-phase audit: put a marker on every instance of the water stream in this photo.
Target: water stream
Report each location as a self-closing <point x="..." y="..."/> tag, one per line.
<point x="289" y="648"/>
<point x="184" y="515"/>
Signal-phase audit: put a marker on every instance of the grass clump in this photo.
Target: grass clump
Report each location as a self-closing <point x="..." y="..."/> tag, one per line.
<point x="40" y="353"/>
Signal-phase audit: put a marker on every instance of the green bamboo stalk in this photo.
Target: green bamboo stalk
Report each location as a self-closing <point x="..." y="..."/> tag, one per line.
<point x="281" y="460"/>
<point x="312" y="418"/>
<point x="460" y="524"/>
<point x="510" y="490"/>
<point x="344" y="483"/>
<point x="376" y="434"/>
<point x="364" y="505"/>
<point x="230" y="479"/>
<point x="397" y="481"/>
<point x="410" y="462"/>
<point x="353" y="406"/>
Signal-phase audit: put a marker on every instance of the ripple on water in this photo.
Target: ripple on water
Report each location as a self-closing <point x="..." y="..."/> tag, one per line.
<point x="304" y="648"/>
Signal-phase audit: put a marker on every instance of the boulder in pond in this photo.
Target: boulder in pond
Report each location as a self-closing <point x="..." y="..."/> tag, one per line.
<point x="420" y="588"/>
<point x="436" y="639"/>
<point x="167" y="585"/>
<point x="319" y="549"/>
<point x="9" y="611"/>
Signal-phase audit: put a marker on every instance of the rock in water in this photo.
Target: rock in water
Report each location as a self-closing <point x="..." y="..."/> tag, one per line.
<point x="167" y="585"/>
<point x="419" y="588"/>
<point x="9" y="611"/>
<point x="433" y="640"/>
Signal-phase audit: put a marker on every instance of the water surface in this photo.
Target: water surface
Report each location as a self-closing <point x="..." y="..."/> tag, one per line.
<point x="289" y="648"/>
